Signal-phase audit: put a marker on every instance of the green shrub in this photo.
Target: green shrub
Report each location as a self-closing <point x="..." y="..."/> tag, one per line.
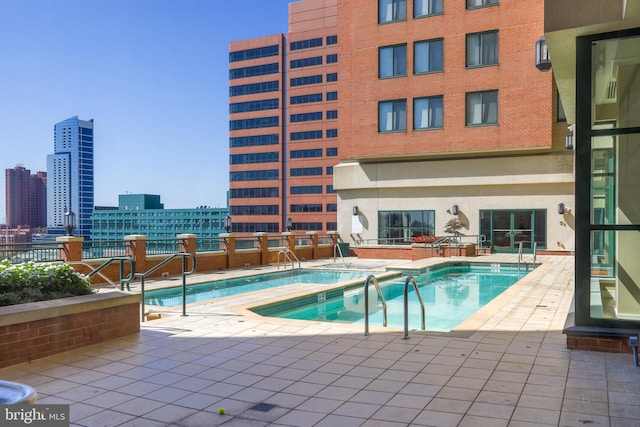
<point x="30" y="282"/>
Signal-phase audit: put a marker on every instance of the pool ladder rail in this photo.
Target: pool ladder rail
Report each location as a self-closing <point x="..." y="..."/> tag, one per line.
<point x="520" y="256"/>
<point x="409" y="280"/>
<point x="287" y="255"/>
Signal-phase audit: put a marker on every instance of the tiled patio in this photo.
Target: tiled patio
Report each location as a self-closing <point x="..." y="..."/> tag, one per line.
<point x="506" y="366"/>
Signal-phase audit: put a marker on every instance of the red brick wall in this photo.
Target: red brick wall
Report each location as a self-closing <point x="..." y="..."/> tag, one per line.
<point x="525" y="95"/>
<point x="607" y="345"/>
<point x="23" y="342"/>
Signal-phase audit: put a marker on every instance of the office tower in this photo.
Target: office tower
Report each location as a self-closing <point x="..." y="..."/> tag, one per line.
<point x="283" y="124"/>
<point x="70" y="174"/>
<point x="26" y="197"/>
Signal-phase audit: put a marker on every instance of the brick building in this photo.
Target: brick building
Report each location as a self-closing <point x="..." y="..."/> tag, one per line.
<point x="283" y="124"/>
<point x="445" y="117"/>
<point x="26" y="197"/>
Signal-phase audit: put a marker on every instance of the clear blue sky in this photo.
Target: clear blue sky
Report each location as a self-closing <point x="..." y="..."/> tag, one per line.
<point x="153" y="74"/>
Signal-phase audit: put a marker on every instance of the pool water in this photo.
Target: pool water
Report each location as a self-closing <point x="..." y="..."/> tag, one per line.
<point x="450" y="296"/>
<point x="172" y="297"/>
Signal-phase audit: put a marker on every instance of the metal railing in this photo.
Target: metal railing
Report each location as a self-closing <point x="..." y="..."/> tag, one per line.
<point x="163" y="246"/>
<point x="411" y="280"/>
<point x="287" y="256"/>
<point x="92" y="249"/>
<point x="185" y="273"/>
<point x="97" y="270"/>
<point x="337" y="249"/>
<point x="372" y="278"/>
<point x="18" y="253"/>
<point x="208" y="244"/>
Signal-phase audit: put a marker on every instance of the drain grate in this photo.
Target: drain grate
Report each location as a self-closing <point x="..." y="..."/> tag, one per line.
<point x="263" y="407"/>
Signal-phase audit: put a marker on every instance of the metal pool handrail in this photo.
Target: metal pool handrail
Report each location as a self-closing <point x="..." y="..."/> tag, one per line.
<point x="286" y="255"/>
<point x="411" y="279"/>
<point x="372" y="278"/>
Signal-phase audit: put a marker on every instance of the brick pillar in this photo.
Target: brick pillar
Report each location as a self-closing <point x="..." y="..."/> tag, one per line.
<point x="228" y="242"/>
<point x="263" y="240"/>
<point x="187" y="243"/>
<point x="137" y="249"/>
<point x="291" y="240"/>
<point x="72" y="248"/>
<point x="313" y="236"/>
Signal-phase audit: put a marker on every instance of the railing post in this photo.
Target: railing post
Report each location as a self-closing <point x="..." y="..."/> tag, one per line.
<point x="228" y="241"/>
<point x="137" y="250"/>
<point x="72" y="248"/>
<point x="334" y="238"/>
<point x="313" y="236"/>
<point x="263" y="241"/>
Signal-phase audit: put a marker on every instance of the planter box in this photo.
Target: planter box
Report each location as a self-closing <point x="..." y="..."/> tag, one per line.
<point x="39" y="329"/>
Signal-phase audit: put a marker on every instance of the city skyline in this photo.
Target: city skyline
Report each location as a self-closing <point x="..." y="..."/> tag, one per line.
<point x="152" y="74"/>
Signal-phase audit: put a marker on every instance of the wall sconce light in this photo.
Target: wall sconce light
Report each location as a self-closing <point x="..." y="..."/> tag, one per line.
<point x="289" y="224"/>
<point x="562" y="209"/>
<point x="227" y="223"/>
<point x="69" y="222"/>
<point x="543" y="61"/>
<point x="568" y="139"/>
<point x="454" y="209"/>
<point x="355" y="210"/>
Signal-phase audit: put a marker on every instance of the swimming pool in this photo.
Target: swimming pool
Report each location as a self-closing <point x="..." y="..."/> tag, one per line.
<point x="451" y="294"/>
<point x="172" y="297"/>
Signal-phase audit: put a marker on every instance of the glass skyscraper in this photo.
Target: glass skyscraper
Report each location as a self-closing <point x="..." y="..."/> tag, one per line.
<point x="70" y="175"/>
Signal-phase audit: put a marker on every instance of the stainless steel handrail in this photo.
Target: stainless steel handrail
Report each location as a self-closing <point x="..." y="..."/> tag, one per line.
<point x="285" y="257"/>
<point x="411" y="279"/>
<point x="370" y="278"/>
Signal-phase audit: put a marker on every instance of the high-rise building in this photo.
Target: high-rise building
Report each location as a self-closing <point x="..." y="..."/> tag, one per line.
<point x="283" y="124"/>
<point x="26" y="197"/>
<point x="70" y="174"/>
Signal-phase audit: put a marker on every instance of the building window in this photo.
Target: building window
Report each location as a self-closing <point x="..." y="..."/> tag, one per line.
<point x="306" y="208"/>
<point x="305" y="99"/>
<point x="427" y="8"/>
<point x="260" y="52"/>
<point x="305" y="62"/>
<point x="400" y="227"/>
<point x="332" y="77"/>
<point x="392" y="116"/>
<point x="332" y="207"/>
<point x="258" y="175"/>
<point x="254" y="88"/>
<point x="332" y="133"/>
<point x="332" y="58"/>
<point x="306" y="189"/>
<point x="472" y="4"/>
<point x="330" y="189"/>
<point x="301" y="154"/>
<point x="305" y="117"/>
<point x="257" y="70"/>
<point x="332" y="152"/>
<point x="311" y="134"/>
<point x="255" y="140"/>
<point x="332" y="40"/>
<point x="332" y="114"/>
<point x="428" y="56"/>
<point x="260" y="122"/>
<point x="329" y="170"/>
<point x="307" y="80"/>
<point x="332" y="96"/>
<point x="253" y="193"/>
<point x="482" y="49"/>
<point x="260" y="105"/>
<point x="482" y="108"/>
<point x="250" y="158"/>
<point x="427" y="112"/>
<point x="305" y="171"/>
<point x="305" y="44"/>
<point x="392" y="61"/>
<point x="392" y="10"/>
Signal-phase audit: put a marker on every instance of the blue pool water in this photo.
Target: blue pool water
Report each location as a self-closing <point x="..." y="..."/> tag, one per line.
<point x="450" y="295"/>
<point x="172" y="297"/>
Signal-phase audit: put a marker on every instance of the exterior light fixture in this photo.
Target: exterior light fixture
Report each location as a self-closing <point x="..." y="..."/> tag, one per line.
<point x="568" y="138"/>
<point x="227" y="223"/>
<point x="355" y="210"/>
<point x="543" y="61"/>
<point x="69" y="222"/>
<point x="454" y="209"/>
<point x="289" y="224"/>
<point x="562" y="209"/>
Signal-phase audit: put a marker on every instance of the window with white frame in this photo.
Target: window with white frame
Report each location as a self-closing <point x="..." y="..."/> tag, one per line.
<point x="392" y="10"/>
<point x="471" y="4"/>
<point x="427" y="112"/>
<point x="392" y="61"/>
<point x="482" y="108"/>
<point x="427" y="7"/>
<point x="392" y="115"/>
<point x="428" y="56"/>
<point x="482" y="49"/>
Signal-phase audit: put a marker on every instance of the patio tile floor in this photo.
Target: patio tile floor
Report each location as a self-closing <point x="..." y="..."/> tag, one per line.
<point x="506" y="366"/>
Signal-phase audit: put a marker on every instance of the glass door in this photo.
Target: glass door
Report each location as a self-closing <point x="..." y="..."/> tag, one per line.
<point x="508" y="229"/>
